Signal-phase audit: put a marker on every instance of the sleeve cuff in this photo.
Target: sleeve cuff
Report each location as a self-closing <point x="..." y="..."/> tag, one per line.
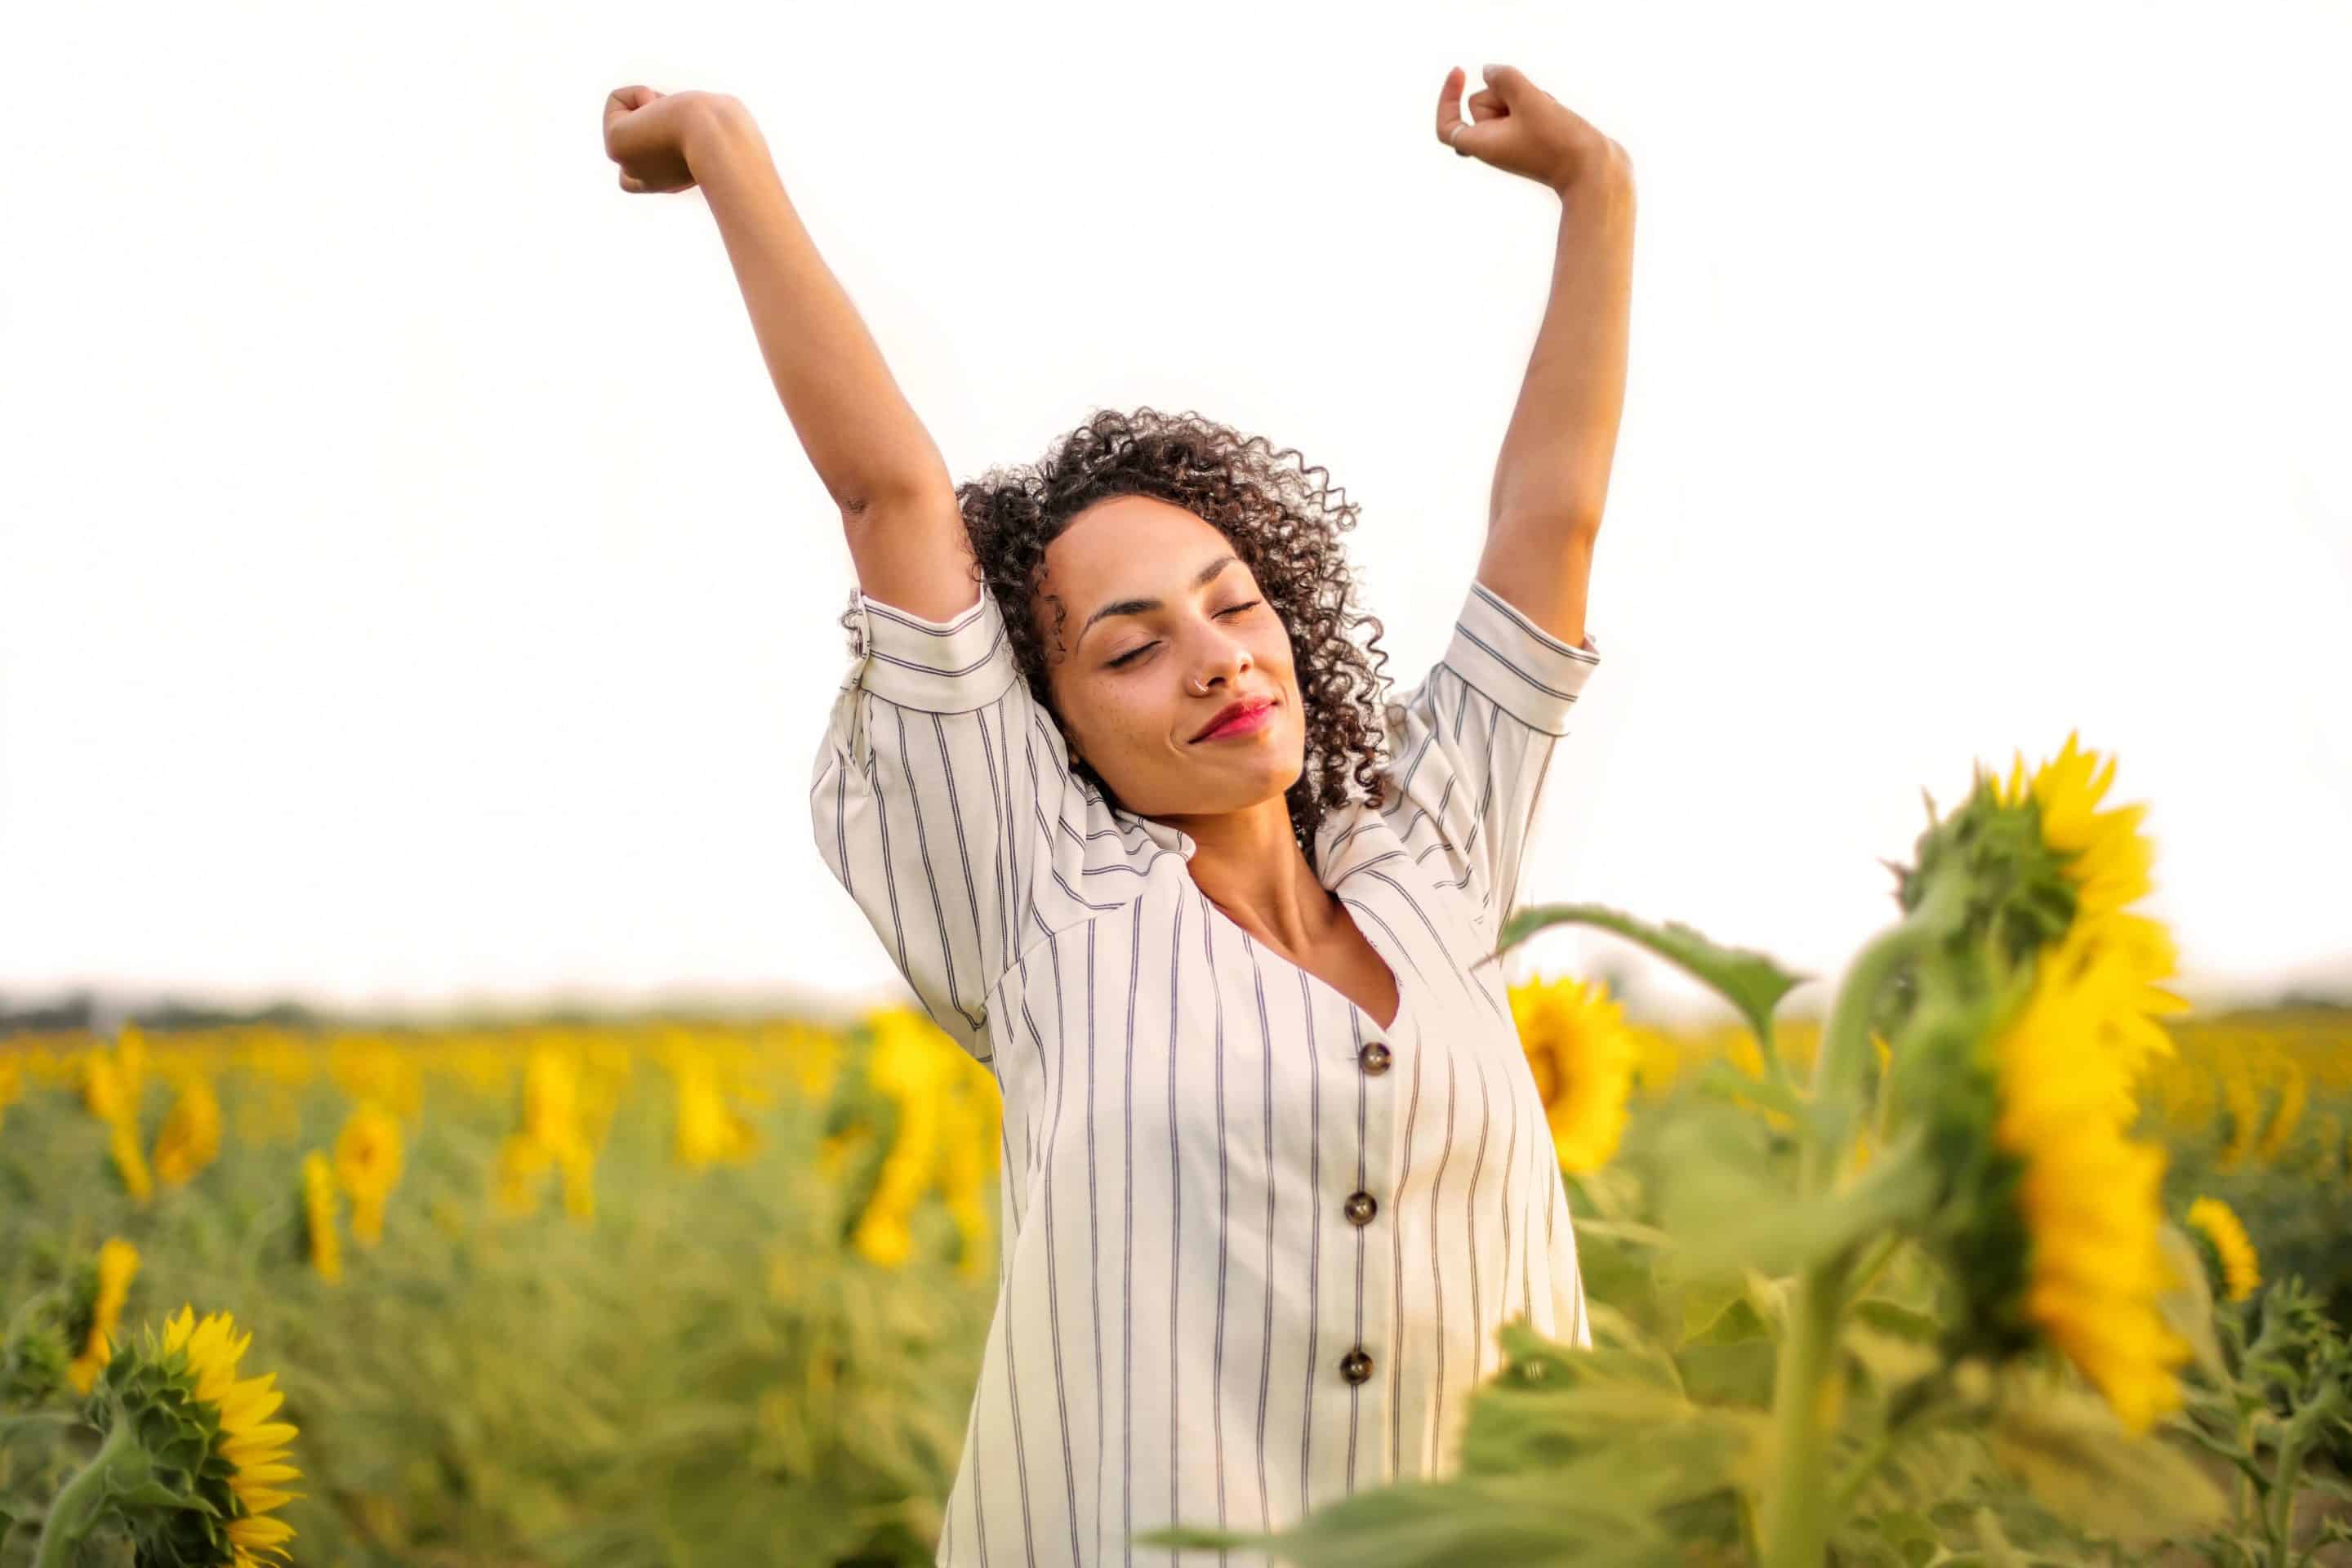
<point x="1532" y="675"/>
<point x="937" y="667"/>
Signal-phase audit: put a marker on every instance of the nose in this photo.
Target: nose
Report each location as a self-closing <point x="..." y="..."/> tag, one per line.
<point x="1225" y="660"/>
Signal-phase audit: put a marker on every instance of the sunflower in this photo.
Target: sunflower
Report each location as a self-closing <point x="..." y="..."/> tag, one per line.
<point x="367" y="1165"/>
<point x="254" y="1446"/>
<point x="190" y="1137"/>
<point x="2232" y="1249"/>
<point x="882" y="1236"/>
<point x="319" y="1218"/>
<point x="122" y="1144"/>
<point x="967" y="1157"/>
<point x="191" y="1463"/>
<point x="2106" y="861"/>
<point x="2087" y="1196"/>
<point x="118" y="1262"/>
<point x="104" y="1093"/>
<point x="1582" y="1056"/>
<point x="550" y="1096"/>
<point x="709" y="1129"/>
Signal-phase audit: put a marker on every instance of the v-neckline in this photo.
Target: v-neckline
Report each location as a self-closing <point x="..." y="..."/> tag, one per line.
<point x="1396" y="976"/>
<point x="1176" y="841"/>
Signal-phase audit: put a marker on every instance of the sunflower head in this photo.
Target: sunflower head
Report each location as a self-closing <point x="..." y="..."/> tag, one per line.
<point x="367" y="1152"/>
<point x="209" y="1441"/>
<point x="551" y="1094"/>
<point x="911" y="1057"/>
<point x="104" y="1091"/>
<point x="2052" y="1225"/>
<point x="322" y="1242"/>
<point x="2229" y="1250"/>
<point x="2020" y="1048"/>
<point x="1582" y="1055"/>
<point x="2106" y="859"/>
<point x="108" y="1286"/>
<point x="191" y="1135"/>
<point x="709" y="1129"/>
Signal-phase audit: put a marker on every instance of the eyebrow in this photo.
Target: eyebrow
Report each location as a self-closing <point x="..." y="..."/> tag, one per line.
<point x="1136" y="607"/>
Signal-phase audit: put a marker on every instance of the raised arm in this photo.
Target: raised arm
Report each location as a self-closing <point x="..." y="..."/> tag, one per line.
<point x="872" y="453"/>
<point x="1552" y="475"/>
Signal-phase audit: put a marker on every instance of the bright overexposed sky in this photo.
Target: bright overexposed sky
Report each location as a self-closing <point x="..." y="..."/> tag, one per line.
<point x="412" y="594"/>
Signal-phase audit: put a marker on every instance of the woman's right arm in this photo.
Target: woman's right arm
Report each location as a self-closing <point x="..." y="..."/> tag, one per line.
<point x="897" y="503"/>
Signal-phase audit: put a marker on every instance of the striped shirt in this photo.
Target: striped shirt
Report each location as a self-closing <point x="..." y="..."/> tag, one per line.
<point x="1254" y="1244"/>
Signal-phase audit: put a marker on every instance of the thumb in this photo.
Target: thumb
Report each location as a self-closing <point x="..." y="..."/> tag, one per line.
<point x="1508" y="82"/>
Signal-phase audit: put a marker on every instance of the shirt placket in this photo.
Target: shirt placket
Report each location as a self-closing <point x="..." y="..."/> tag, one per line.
<point x="1364" y="1198"/>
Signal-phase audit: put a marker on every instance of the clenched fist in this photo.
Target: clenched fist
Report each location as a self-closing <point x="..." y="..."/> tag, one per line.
<point x="644" y="133"/>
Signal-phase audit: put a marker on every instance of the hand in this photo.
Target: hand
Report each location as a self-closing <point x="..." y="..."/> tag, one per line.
<point x="644" y="133"/>
<point x="1519" y="128"/>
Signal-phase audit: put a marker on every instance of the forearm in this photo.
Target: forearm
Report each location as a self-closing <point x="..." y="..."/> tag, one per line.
<point x="859" y="432"/>
<point x="1556" y="455"/>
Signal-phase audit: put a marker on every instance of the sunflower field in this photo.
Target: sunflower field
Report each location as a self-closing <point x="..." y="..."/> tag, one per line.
<point x="2008" y="1257"/>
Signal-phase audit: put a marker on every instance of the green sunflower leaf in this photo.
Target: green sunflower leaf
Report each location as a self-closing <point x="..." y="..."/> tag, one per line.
<point x="2188" y="1308"/>
<point x="1536" y="1521"/>
<point x="2080" y="1463"/>
<point x="1752" y="982"/>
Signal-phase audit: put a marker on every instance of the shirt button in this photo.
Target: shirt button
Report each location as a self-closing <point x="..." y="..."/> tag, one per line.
<point x="1373" y="1058"/>
<point x="1356" y="1365"/>
<point x="1361" y="1208"/>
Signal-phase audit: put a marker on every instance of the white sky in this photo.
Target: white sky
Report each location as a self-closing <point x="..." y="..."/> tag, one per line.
<point x="412" y="594"/>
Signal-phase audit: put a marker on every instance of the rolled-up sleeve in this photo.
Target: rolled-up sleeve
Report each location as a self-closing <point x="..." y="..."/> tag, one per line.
<point x="928" y="803"/>
<point x="1473" y="749"/>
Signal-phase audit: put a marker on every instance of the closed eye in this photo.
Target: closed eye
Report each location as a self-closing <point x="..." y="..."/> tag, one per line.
<point x="1135" y="653"/>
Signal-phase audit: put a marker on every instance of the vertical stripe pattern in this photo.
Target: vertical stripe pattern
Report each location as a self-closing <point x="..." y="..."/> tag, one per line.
<point x="1217" y="1203"/>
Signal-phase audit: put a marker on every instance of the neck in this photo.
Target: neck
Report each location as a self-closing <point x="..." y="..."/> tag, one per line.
<point x="1250" y="866"/>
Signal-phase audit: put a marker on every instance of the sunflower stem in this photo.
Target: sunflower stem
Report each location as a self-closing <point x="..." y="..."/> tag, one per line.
<point x="1809" y="1389"/>
<point x="81" y="1503"/>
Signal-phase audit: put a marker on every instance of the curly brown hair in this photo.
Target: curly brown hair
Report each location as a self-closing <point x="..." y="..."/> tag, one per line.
<point x="1284" y="527"/>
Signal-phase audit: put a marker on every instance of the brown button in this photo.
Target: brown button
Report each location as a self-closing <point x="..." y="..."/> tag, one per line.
<point x="1356" y="1366"/>
<point x="1361" y="1208"/>
<point x="1373" y="1058"/>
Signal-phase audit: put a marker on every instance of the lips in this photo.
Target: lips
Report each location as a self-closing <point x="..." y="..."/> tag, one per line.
<point x="1239" y="708"/>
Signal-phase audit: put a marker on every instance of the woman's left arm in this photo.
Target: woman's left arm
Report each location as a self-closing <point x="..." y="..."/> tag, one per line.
<point x="1552" y="475"/>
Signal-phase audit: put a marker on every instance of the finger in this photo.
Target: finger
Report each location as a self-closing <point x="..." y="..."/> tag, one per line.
<point x="619" y="104"/>
<point x="1450" y="104"/>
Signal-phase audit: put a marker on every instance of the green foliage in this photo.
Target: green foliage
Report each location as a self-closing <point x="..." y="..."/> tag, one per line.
<point x="1753" y="983"/>
<point x="708" y="1373"/>
<point x="702" y="1375"/>
<point x="2281" y="1395"/>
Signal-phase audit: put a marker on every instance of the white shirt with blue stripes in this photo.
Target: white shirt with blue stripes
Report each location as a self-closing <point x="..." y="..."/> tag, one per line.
<point x="1255" y="1244"/>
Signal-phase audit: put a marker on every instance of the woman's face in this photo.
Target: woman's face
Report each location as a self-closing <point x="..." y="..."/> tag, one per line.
<point x="1166" y="627"/>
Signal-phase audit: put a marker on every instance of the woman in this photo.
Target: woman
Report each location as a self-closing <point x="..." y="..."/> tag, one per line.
<point x="1118" y="794"/>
